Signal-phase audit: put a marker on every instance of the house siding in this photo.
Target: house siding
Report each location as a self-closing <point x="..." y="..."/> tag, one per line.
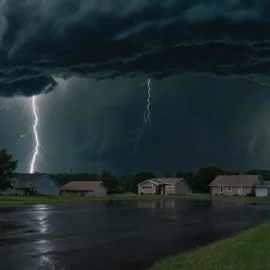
<point x="181" y="188"/>
<point x="170" y="190"/>
<point x="233" y="191"/>
<point x="261" y="191"/>
<point x="97" y="191"/>
<point x="69" y="193"/>
<point x="12" y="191"/>
<point x="146" y="188"/>
<point x="46" y="186"/>
<point x="77" y="193"/>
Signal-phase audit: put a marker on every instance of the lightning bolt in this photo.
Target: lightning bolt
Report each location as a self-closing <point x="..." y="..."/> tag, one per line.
<point x="259" y="82"/>
<point x="36" y="137"/>
<point x="5" y="106"/>
<point x="146" y="115"/>
<point x="23" y="136"/>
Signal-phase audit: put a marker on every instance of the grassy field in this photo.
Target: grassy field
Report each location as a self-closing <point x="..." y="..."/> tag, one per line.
<point x="19" y="200"/>
<point x="28" y="200"/>
<point x="246" y="251"/>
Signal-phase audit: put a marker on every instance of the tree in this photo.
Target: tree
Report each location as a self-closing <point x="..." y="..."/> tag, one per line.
<point x="109" y="180"/>
<point x="264" y="173"/>
<point x="188" y="176"/>
<point x="205" y="175"/>
<point x="7" y="168"/>
<point x="125" y="182"/>
<point x="140" y="177"/>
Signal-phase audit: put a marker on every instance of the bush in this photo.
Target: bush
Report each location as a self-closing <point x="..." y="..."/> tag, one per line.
<point x="251" y="194"/>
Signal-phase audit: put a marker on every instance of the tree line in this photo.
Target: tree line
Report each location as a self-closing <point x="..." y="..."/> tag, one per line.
<point x="198" y="181"/>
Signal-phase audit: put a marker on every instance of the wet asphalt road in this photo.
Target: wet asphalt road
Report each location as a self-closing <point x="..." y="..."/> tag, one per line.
<point x="116" y="235"/>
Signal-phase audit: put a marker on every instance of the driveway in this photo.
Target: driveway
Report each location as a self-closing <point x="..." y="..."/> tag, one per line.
<point x="116" y="235"/>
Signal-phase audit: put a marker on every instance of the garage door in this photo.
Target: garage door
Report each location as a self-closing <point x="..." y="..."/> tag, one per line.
<point x="261" y="192"/>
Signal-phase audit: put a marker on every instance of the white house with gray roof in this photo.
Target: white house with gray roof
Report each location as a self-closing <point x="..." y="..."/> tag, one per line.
<point x="164" y="186"/>
<point x="25" y="184"/>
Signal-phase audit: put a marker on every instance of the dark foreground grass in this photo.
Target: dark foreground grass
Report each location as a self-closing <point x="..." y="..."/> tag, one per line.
<point x="249" y="250"/>
<point x="32" y="200"/>
<point x="28" y="200"/>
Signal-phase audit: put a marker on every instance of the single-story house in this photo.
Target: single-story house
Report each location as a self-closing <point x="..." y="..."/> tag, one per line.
<point x="83" y="188"/>
<point x="235" y="184"/>
<point x="25" y="184"/>
<point x="164" y="186"/>
<point x="262" y="190"/>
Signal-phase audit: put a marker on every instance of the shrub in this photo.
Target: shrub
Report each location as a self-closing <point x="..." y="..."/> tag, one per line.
<point x="251" y="194"/>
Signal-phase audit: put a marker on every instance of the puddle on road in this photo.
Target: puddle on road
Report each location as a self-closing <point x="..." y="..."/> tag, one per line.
<point x="95" y="234"/>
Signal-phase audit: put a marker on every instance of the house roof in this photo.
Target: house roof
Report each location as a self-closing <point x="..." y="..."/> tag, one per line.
<point x="235" y="180"/>
<point x="267" y="183"/>
<point x="162" y="181"/>
<point x="25" y="179"/>
<point x="171" y="181"/>
<point x="81" y="185"/>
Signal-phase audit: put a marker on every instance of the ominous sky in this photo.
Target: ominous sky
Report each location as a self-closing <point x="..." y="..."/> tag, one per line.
<point x="207" y="61"/>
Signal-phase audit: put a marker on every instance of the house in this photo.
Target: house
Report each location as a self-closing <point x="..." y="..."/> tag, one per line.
<point x="164" y="186"/>
<point x="262" y="190"/>
<point x="25" y="184"/>
<point x="83" y="188"/>
<point x="234" y="184"/>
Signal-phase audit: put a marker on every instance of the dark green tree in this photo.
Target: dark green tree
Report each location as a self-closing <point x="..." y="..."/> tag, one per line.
<point x="140" y="177"/>
<point x="7" y="168"/>
<point x="188" y="176"/>
<point x="264" y="173"/>
<point x="125" y="183"/>
<point x="110" y="181"/>
<point x="205" y="175"/>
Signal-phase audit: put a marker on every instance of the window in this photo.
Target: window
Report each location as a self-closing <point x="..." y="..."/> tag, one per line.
<point x="169" y="187"/>
<point x="230" y="188"/>
<point x="146" y="187"/>
<point x="221" y="189"/>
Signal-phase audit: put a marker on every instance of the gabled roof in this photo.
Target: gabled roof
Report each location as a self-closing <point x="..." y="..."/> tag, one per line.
<point x="163" y="181"/>
<point x="236" y="180"/>
<point x="47" y="176"/>
<point x="25" y="179"/>
<point x="81" y="185"/>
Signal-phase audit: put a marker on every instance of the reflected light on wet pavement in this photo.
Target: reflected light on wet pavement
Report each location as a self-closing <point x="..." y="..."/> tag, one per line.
<point x="116" y="235"/>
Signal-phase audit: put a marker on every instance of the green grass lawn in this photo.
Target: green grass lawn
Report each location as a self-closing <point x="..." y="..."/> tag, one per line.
<point x="249" y="250"/>
<point x="28" y="200"/>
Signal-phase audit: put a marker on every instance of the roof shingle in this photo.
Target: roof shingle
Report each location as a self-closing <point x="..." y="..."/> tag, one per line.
<point x="80" y="185"/>
<point x="162" y="181"/>
<point x="25" y="179"/>
<point x="236" y="180"/>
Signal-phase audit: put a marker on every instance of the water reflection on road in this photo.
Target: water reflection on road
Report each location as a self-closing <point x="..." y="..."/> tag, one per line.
<point x="116" y="235"/>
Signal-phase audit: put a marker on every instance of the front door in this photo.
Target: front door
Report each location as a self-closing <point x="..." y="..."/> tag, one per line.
<point x="160" y="189"/>
<point x="240" y="190"/>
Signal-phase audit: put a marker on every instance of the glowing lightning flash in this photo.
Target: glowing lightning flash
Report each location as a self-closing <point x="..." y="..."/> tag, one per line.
<point x="35" y="125"/>
<point x="5" y="106"/>
<point x="146" y="115"/>
<point x="261" y="83"/>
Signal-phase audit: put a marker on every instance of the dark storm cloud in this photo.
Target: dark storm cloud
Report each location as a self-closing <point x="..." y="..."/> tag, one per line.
<point x="40" y="39"/>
